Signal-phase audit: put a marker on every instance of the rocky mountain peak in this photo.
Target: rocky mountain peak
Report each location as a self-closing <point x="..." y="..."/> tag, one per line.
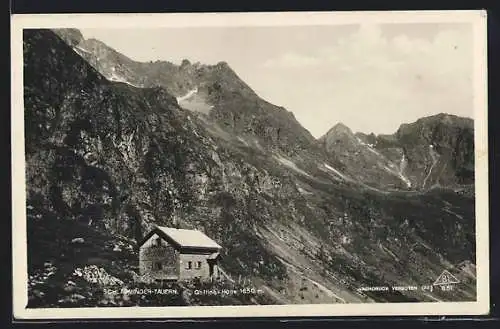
<point x="222" y="64"/>
<point x="185" y="63"/>
<point x="437" y="129"/>
<point x="71" y="36"/>
<point x="441" y="119"/>
<point x="340" y="129"/>
<point x="339" y="133"/>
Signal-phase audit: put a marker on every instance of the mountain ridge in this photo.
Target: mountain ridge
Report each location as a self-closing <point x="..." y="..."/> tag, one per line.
<point x="215" y="91"/>
<point x="74" y="37"/>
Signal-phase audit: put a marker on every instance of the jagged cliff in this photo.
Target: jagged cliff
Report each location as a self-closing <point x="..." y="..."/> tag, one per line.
<point x="106" y="160"/>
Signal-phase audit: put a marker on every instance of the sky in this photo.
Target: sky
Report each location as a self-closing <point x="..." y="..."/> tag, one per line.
<point x="371" y="78"/>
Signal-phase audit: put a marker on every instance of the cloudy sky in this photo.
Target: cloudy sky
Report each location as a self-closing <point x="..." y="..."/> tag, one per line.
<point x="370" y="77"/>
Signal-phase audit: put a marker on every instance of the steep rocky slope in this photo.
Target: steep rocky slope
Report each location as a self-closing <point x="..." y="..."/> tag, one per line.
<point x="362" y="160"/>
<point x="106" y="160"/>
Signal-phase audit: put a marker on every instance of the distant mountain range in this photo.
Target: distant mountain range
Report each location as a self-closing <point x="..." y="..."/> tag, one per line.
<point x="436" y="151"/>
<point x="114" y="146"/>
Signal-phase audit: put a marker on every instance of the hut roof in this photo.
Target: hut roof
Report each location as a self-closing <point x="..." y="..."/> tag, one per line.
<point x="187" y="238"/>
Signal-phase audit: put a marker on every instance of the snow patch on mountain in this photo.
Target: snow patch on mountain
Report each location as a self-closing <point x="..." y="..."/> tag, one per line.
<point x="290" y="164"/>
<point x="80" y="49"/>
<point x="244" y="142"/>
<point x="389" y="168"/>
<point x="194" y="102"/>
<point x="370" y="146"/>
<point x="453" y="213"/>
<point x="400" y="172"/>
<point x="338" y="173"/>
<point x="434" y="158"/>
<point x="115" y="77"/>
<point x="303" y="191"/>
<point x="188" y="95"/>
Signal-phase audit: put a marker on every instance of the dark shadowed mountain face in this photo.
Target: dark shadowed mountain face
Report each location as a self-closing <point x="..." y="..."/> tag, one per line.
<point x="106" y="160"/>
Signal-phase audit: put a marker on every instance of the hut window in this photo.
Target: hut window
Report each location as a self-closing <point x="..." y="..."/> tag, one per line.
<point x="189" y="265"/>
<point x="157" y="266"/>
<point x="158" y="242"/>
<point x="198" y="265"/>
